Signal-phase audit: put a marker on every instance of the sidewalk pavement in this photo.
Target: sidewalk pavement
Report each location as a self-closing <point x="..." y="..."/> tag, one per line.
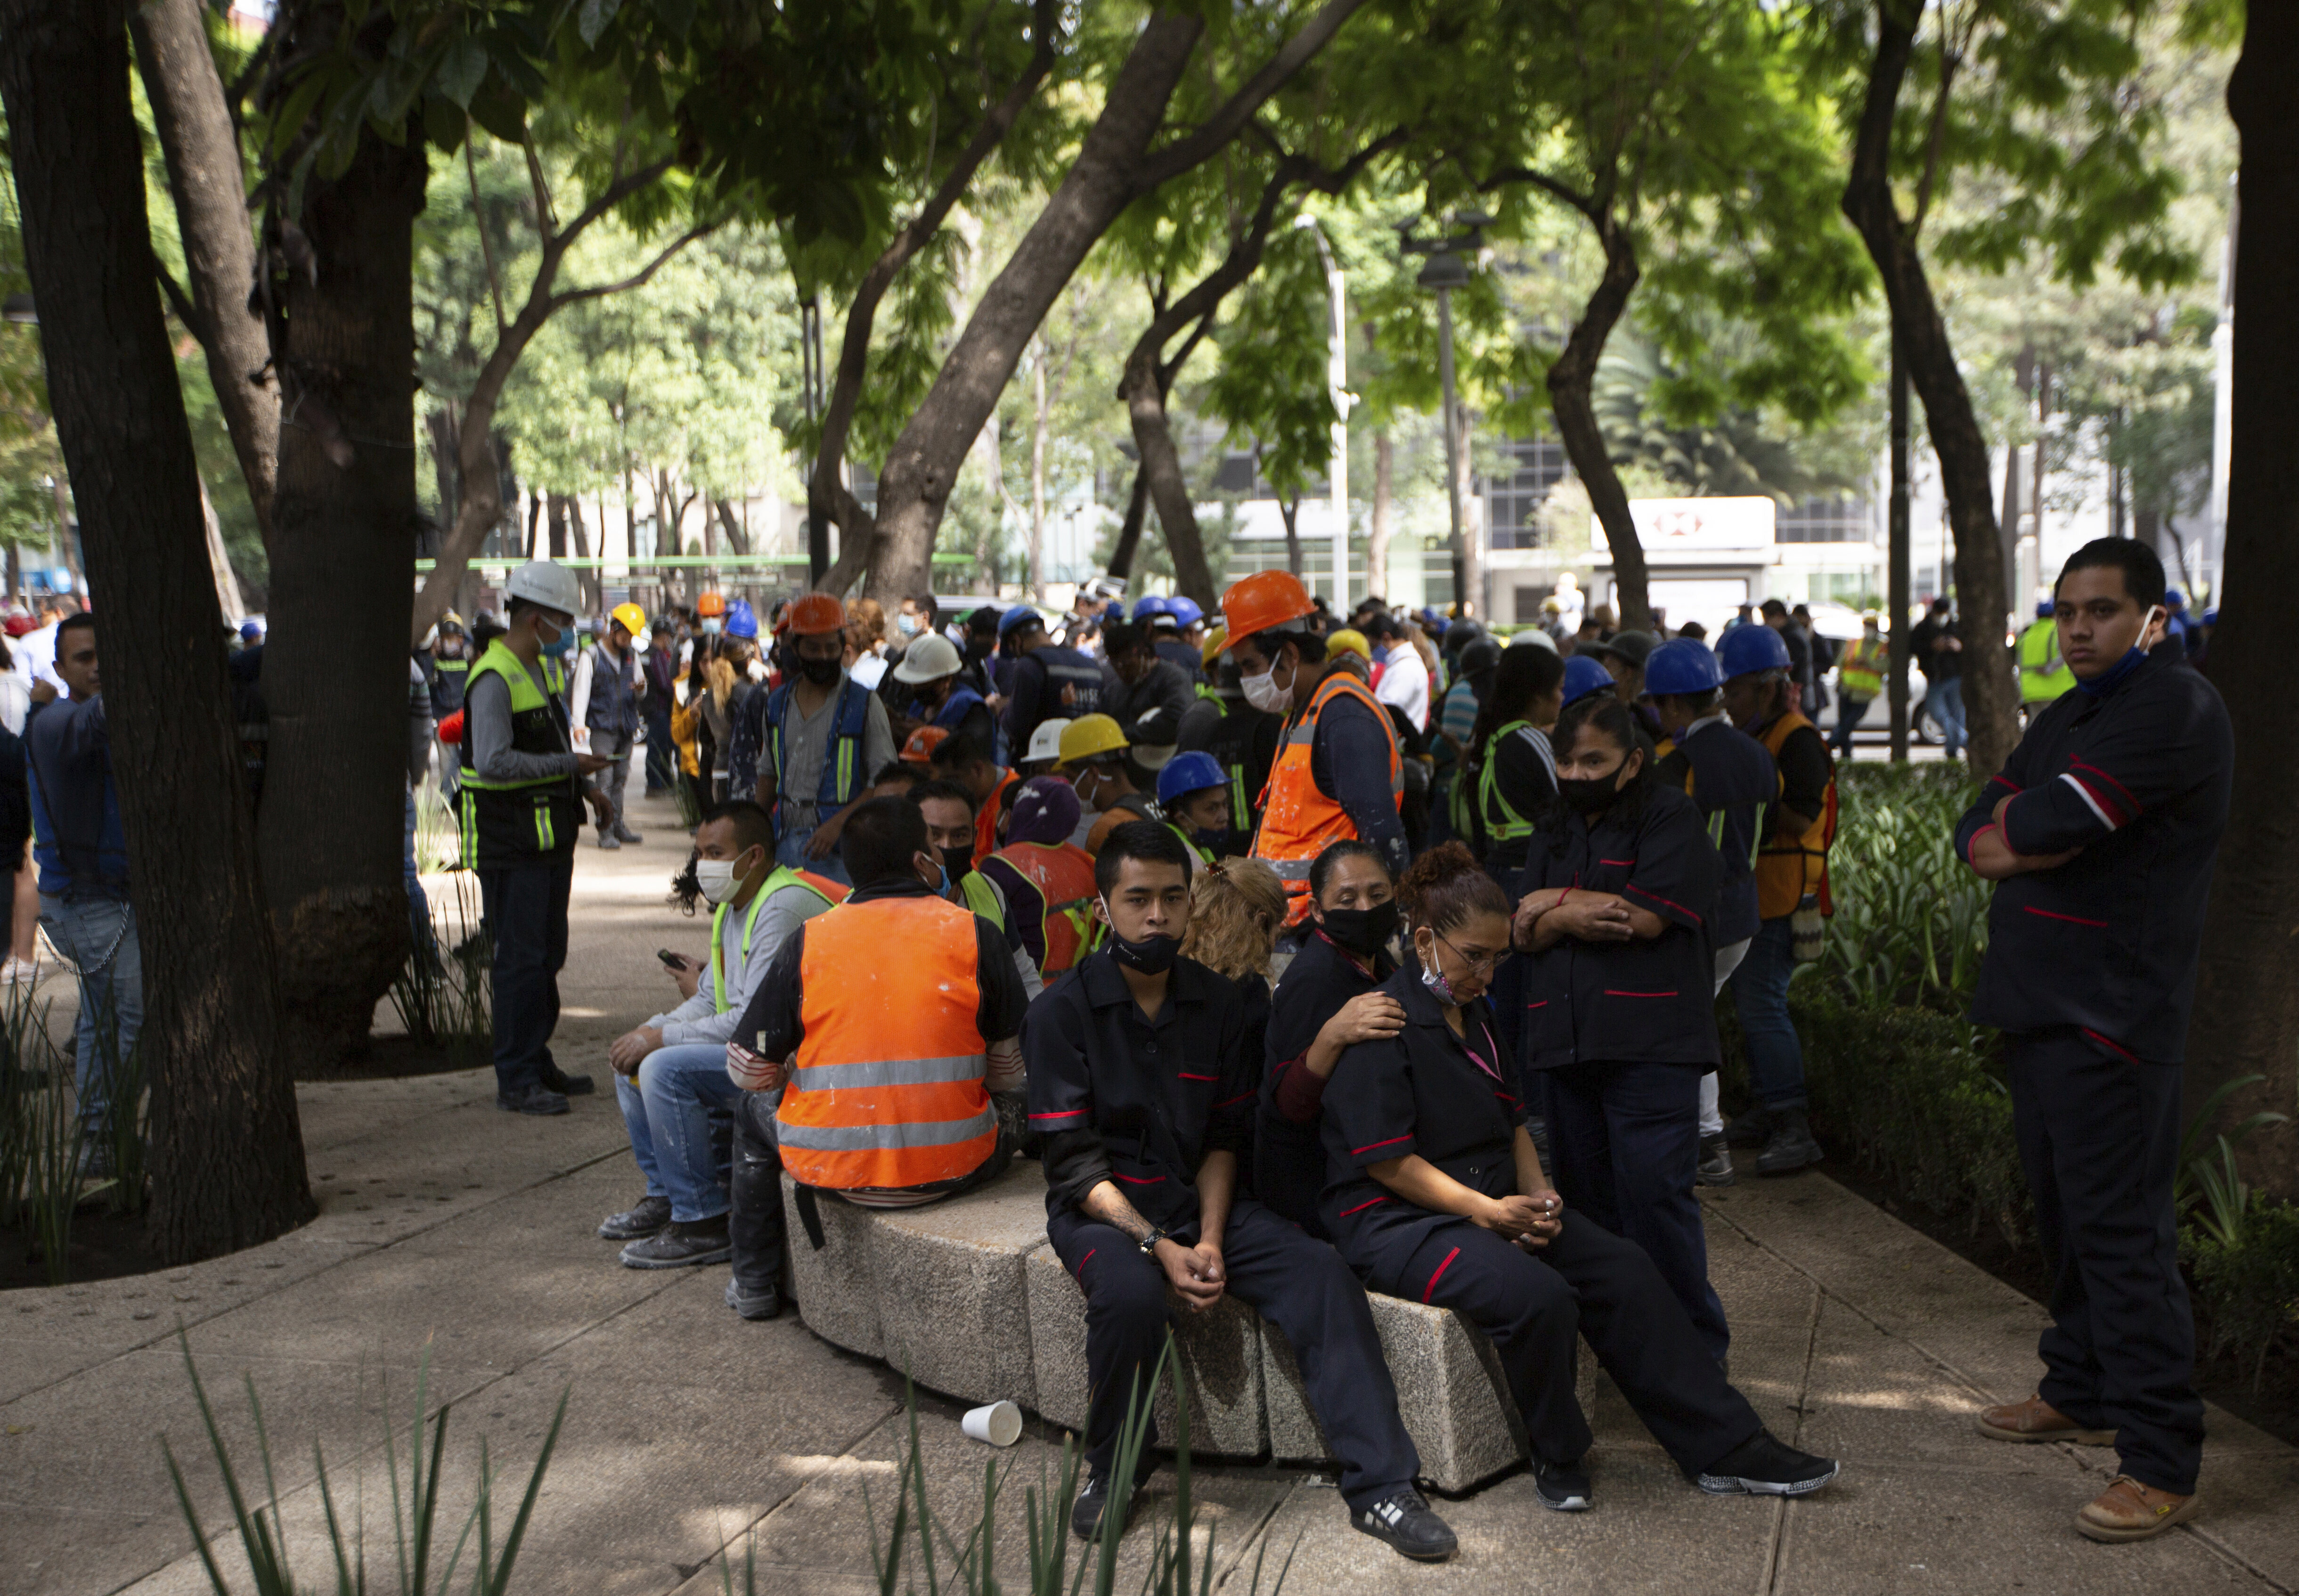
<point x="452" y="1231"/>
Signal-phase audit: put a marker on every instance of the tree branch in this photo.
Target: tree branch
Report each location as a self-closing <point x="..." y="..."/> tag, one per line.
<point x="181" y="304"/>
<point x="1233" y="115"/>
<point x="637" y="280"/>
<point x="1587" y="204"/>
<point x="479" y="217"/>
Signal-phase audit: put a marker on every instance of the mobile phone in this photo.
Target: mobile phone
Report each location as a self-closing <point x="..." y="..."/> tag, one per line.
<point x="674" y="960"/>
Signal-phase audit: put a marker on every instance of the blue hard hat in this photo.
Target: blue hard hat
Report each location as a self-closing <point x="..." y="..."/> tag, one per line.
<point x="742" y="620"/>
<point x="1185" y="612"/>
<point x="1745" y="649"/>
<point x="1187" y="773"/>
<point x="2172" y="595"/>
<point x="1018" y="616"/>
<point x="249" y="631"/>
<point x="2210" y="618"/>
<point x="1147" y="606"/>
<point x="2045" y="609"/>
<point x="1681" y="665"/>
<point x="1585" y="673"/>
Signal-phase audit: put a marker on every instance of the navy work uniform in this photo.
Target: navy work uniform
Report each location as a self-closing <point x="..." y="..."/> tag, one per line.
<point x="2090" y="973"/>
<point x="1140" y="1102"/>
<point x="1448" y="1099"/>
<point x="1731" y="779"/>
<point x="1289" y="1153"/>
<point x="1049" y="683"/>
<point x="1622" y="1032"/>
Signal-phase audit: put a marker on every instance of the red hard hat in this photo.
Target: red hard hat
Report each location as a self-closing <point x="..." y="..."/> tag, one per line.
<point x="1266" y="599"/>
<point x="815" y="614"/>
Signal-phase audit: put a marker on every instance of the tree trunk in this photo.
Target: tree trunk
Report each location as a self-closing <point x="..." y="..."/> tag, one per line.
<point x="1113" y="167"/>
<point x="1571" y="385"/>
<point x="336" y="661"/>
<point x="227" y="1150"/>
<point x="1289" y="511"/>
<point x="1169" y="488"/>
<point x="586" y="579"/>
<point x="440" y="422"/>
<point x="204" y="178"/>
<point x="734" y="533"/>
<point x="555" y="518"/>
<point x="1129" y="530"/>
<point x="2247" y="994"/>
<point x="1384" y="500"/>
<point x="1040" y="428"/>
<point x="1990" y="694"/>
<point x="1899" y="580"/>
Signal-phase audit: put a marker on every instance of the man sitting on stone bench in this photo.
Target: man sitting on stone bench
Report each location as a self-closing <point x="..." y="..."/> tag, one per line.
<point x="1142" y="1082"/>
<point x="897" y="1012"/>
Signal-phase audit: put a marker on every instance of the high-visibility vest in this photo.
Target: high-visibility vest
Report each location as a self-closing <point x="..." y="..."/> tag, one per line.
<point x="1205" y="855"/>
<point x="831" y="893"/>
<point x="1787" y="868"/>
<point x="1501" y="821"/>
<point x="1063" y="875"/>
<point x="981" y="895"/>
<point x="1297" y="820"/>
<point x="985" y="824"/>
<point x="2044" y="675"/>
<point x="516" y="821"/>
<point x="842" y="775"/>
<point x="887" y="1087"/>
<point x="1861" y="672"/>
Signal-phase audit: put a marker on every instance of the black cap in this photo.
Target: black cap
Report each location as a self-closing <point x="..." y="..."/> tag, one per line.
<point x="1632" y="649"/>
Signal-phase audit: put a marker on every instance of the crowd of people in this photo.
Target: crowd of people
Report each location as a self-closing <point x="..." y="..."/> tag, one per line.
<point x="1308" y="958"/>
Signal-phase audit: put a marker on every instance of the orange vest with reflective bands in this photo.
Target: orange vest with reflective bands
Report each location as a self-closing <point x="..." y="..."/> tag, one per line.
<point x="1063" y="874"/>
<point x="985" y="824"/>
<point x="1297" y="820"/>
<point x="887" y="1085"/>
<point x="1789" y="866"/>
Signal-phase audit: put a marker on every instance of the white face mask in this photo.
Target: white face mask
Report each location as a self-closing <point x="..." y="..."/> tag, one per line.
<point x="717" y="879"/>
<point x="1263" y="693"/>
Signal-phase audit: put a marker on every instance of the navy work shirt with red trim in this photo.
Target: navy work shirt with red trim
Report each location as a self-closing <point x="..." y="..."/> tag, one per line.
<point x="1139" y="1101"/>
<point x="1451" y="1100"/>
<point x="1638" y="1002"/>
<point x="2138" y="778"/>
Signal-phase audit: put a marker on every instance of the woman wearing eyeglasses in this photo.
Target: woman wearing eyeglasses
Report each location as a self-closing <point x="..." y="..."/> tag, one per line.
<point x="1619" y="890"/>
<point x="1436" y="1195"/>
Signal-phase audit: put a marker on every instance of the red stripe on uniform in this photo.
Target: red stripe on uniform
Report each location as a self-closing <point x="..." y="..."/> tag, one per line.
<point x="1065" y="1114"/>
<point x="2072" y="919"/>
<point x="1188" y="1076"/>
<point x="1616" y="861"/>
<point x="1656" y="897"/>
<point x="1088" y="1258"/>
<point x="1529" y="1007"/>
<point x="2086" y="765"/>
<point x="1369" y="1146"/>
<point x="2114" y="810"/>
<point x="1241" y="1097"/>
<point x="1136" y="1180"/>
<point x="1612" y="992"/>
<point x="1360" y="1208"/>
<point x="2124" y="1053"/>
<point x="1429" y="1289"/>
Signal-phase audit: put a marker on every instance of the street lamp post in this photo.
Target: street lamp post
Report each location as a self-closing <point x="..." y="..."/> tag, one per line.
<point x="1337" y="379"/>
<point x="1445" y="272"/>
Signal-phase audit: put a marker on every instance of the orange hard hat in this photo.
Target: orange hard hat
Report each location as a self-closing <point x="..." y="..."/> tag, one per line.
<point x="1266" y="599"/>
<point x="920" y="749"/>
<point x="814" y="614"/>
<point x="711" y="603"/>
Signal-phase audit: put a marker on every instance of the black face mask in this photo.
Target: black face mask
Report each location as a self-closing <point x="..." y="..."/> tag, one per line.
<point x="821" y="672"/>
<point x="1362" y="931"/>
<point x="957" y="861"/>
<point x="1152" y="955"/>
<point x="1588" y="795"/>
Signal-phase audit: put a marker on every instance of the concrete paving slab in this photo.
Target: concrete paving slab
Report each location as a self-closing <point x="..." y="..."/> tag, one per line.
<point x="953" y="1301"/>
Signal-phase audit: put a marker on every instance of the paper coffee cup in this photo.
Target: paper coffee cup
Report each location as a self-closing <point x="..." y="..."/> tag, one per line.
<point x="1000" y="1424"/>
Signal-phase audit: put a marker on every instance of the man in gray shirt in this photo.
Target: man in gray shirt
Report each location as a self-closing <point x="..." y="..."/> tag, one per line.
<point x="671" y="1073"/>
<point x="823" y="736"/>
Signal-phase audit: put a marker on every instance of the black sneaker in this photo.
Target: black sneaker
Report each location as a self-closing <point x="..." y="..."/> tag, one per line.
<point x="1562" y="1488"/>
<point x="537" y="1099"/>
<point x="1750" y="1129"/>
<point x="1715" y="1162"/>
<point x="763" y="1302"/>
<point x="1085" y="1513"/>
<point x="645" y="1217"/>
<point x="569" y="1085"/>
<point x="1403" y="1519"/>
<point x="680" y="1244"/>
<point x="1789" y="1147"/>
<point x="1762" y="1466"/>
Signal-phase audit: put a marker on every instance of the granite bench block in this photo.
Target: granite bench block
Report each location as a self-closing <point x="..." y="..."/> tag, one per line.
<point x="1219" y="1354"/>
<point x="837" y="1288"/>
<point x="953" y="1302"/>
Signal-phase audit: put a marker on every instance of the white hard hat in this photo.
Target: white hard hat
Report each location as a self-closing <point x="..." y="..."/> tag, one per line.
<point x="1536" y="637"/>
<point x="1046" y="742"/>
<point x="546" y="582"/>
<point x="928" y="659"/>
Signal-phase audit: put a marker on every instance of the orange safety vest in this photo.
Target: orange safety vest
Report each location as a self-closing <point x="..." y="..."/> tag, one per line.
<point x="1063" y="874"/>
<point x="1789" y="866"/>
<point x="985" y="824"/>
<point x="886" y="1088"/>
<point x="1297" y="820"/>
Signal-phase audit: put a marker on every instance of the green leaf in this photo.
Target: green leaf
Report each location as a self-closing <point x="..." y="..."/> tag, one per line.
<point x="594" y="17"/>
<point x="499" y="110"/>
<point x="445" y="124"/>
<point x="460" y="71"/>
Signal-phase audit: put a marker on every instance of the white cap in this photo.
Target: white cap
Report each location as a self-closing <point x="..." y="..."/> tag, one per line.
<point x="546" y="582"/>
<point x="1046" y="742"/>
<point x="928" y="659"/>
<point x="1535" y="636"/>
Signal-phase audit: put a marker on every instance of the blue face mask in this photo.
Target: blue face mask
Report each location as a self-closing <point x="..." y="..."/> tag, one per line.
<point x="561" y="647"/>
<point x="2108" y="680"/>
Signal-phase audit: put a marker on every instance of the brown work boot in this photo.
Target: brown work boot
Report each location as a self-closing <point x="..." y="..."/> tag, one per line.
<point x="2128" y="1510"/>
<point x="2037" y="1419"/>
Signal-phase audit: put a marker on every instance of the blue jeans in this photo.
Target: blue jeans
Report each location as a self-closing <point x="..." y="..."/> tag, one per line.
<point x="1760" y="993"/>
<point x="678" y="1112"/>
<point x="97" y="937"/>
<point x="1944" y="701"/>
<point x="419" y="906"/>
<point x="791" y="851"/>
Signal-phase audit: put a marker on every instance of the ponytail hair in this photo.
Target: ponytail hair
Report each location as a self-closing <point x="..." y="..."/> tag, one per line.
<point x="1446" y="886"/>
<point x="1525" y="673"/>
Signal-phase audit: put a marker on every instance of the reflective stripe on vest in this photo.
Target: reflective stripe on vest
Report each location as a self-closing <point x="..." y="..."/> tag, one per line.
<point x="887" y="1088"/>
<point x="1790" y="867"/>
<point x="1512" y="825"/>
<point x="831" y="893"/>
<point x="841" y="757"/>
<point x="1297" y="820"/>
<point x="526" y="699"/>
<point x="1063" y="875"/>
<point x="2044" y="675"/>
<point x="1862" y="673"/>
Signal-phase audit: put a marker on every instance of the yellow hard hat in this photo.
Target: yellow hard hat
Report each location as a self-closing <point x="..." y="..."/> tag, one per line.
<point x="1217" y="640"/>
<point x="1090" y="736"/>
<point x="1349" y="640"/>
<point x="632" y="619"/>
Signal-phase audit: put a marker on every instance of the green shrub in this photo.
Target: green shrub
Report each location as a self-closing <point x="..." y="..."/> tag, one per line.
<point x="1911" y="921"/>
<point x="2249" y="1284"/>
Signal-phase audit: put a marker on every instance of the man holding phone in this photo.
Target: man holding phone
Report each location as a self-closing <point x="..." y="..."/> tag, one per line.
<point x="671" y="1073"/>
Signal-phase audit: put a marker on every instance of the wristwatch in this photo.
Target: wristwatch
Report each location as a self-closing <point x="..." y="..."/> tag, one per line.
<point x="1150" y="1243"/>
